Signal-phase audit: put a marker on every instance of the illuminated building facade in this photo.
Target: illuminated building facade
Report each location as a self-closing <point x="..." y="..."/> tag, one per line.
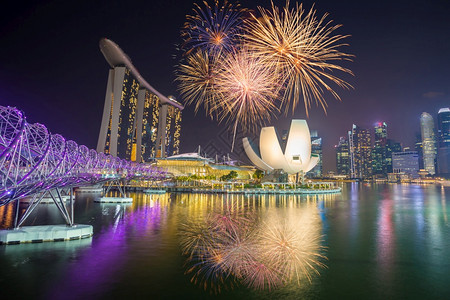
<point x="189" y="164"/>
<point x="147" y="125"/>
<point x="117" y="133"/>
<point x="379" y="151"/>
<point x="391" y="148"/>
<point x="360" y="152"/>
<point x="316" y="149"/>
<point x="418" y="147"/>
<point x="444" y="142"/>
<point x="428" y="142"/>
<point x="138" y="122"/>
<point x="406" y="162"/>
<point x="168" y="140"/>
<point x="342" y="157"/>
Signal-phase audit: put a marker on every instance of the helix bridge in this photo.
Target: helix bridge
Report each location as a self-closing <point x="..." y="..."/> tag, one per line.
<point x="35" y="163"/>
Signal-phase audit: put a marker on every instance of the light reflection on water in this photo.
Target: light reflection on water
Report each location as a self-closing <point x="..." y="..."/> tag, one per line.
<point x="382" y="241"/>
<point x="260" y="251"/>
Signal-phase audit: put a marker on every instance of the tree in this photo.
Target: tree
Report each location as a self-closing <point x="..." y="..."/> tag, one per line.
<point x="258" y="175"/>
<point x="229" y="176"/>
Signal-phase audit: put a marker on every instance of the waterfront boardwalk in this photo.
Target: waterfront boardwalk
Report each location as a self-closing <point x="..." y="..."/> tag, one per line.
<point x="261" y="191"/>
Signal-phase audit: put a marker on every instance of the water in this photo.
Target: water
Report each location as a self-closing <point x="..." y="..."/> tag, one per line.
<point x="380" y="242"/>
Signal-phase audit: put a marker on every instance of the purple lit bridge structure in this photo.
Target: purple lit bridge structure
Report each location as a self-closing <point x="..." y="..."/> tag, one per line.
<point x="35" y="163"/>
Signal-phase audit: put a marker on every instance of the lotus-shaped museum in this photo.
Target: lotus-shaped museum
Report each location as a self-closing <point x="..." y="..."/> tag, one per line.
<point x="295" y="158"/>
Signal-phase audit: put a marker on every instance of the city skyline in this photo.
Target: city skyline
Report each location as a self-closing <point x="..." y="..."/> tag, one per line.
<point x="386" y="89"/>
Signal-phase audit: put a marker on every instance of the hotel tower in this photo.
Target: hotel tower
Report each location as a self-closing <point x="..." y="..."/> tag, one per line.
<point x="138" y="122"/>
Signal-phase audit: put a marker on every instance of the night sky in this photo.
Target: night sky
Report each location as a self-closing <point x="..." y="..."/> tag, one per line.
<point x="52" y="68"/>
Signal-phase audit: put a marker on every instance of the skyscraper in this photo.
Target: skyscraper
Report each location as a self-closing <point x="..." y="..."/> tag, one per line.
<point x="428" y="142"/>
<point x="379" y="153"/>
<point x="418" y="147"/>
<point x="391" y="148"/>
<point x="132" y="111"/>
<point x="147" y="125"/>
<point x="360" y="152"/>
<point x="342" y="157"/>
<point x="316" y="148"/>
<point x="168" y="140"/>
<point x="117" y="130"/>
<point x="444" y="142"/>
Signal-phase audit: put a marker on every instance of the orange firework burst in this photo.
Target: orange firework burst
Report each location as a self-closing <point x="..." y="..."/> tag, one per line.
<point x="196" y="79"/>
<point x="301" y="48"/>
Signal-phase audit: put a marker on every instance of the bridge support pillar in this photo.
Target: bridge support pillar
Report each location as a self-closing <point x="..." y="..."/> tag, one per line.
<point x="57" y="199"/>
<point x="120" y="184"/>
<point x="46" y="233"/>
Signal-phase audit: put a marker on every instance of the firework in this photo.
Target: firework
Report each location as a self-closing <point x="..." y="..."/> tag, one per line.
<point x="212" y="28"/>
<point x="301" y="48"/>
<point x="196" y="79"/>
<point x="247" y="89"/>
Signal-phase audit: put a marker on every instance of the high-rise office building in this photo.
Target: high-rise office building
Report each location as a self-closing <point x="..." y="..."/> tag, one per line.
<point x="391" y="148"/>
<point x="428" y="142"/>
<point x="132" y="112"/>
<point x="418" y="147"/>
<point x="360" y="152"/>
<point x="444" y="142"/>
<point x="316" y="148"/>
<point x="406" y="162"/>
<point x="342" y="157"/>
<point x="379" y="153"/>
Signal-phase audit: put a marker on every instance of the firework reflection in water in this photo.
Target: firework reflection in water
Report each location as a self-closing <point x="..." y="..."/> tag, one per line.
<point x="229" y="247"/>
<point x="291" y="244"/>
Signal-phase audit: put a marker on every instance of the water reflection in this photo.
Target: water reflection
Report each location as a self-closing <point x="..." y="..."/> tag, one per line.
<point x="383" y="242"/>
<point x="386" y="235"/>
<point x="444" y="206"/>
<point x="7" y="215"/>
<point x="102" y="263"/>
<point x="239" y="243"/>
